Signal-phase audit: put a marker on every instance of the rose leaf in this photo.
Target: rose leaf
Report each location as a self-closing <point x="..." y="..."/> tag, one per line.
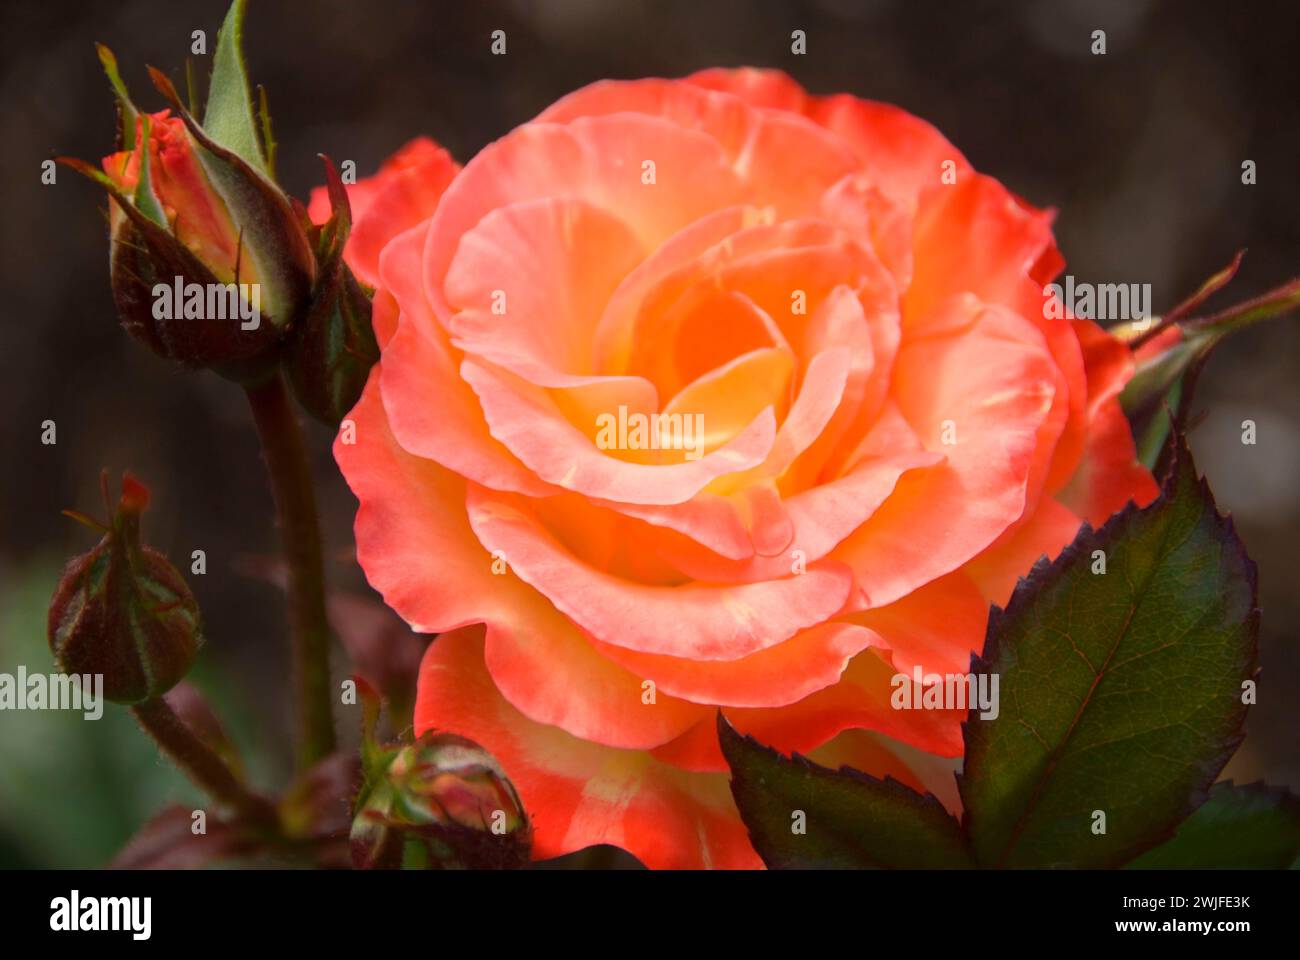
<point x="802" y="815"/>
<point x="1252" y="826"/>
<point x="1125" y="668"/>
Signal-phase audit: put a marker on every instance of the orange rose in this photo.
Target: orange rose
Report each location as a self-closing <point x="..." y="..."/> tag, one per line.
<point x="708" y="394"/>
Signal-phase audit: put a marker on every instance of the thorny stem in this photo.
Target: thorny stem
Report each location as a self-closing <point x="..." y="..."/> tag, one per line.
<point x="197" y="760"/>
<point x="295" y="498"/>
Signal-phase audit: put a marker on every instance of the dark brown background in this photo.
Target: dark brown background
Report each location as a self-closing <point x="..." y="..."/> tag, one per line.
<point x="1140" y="150"/>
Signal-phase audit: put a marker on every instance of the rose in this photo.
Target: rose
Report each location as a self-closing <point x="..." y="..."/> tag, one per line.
<point x="892" y="433"/>
<point x="191" y="216"/>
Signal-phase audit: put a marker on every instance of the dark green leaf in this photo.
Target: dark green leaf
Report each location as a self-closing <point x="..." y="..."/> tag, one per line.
<point x="1251" y="826"/>
<point x="1121" y="693"/>
<point x="851" y="819"/>
<point x="331" y="350"/>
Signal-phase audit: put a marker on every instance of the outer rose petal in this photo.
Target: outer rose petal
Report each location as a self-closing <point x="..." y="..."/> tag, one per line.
<point x="986" y="374"/>
<point x="434" y="414"/>
<point x="861" y="699"/>
<point x="547" y="669"/>
<point x="788" y="157"/>
<point x="769" y="89"/>
<point x="1108" y="475"/>
<point x="900" y="152"/>
<point x="974" y="236"/>
<point x="413" y="536"/>
<point x="416" y="546"/>
<point x="1044" y="533"/>
<point x="414" y="154"/>
<point x="937" y="628"/>
<point x="579" y="793"/>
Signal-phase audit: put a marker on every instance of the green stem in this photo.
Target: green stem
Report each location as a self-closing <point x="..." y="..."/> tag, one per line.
<point x="197" y="760"/>
<point x="295" y="498"/>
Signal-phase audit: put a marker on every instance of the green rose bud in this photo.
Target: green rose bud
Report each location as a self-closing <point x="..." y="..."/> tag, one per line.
<point x="330" y="353"/>
<point x="211" y="262"/>
<point x="441" y="803"/>
<point x="123" y="611"/>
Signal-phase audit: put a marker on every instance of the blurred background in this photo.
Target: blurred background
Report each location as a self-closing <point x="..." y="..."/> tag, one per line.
<point x="1140" y="151"/>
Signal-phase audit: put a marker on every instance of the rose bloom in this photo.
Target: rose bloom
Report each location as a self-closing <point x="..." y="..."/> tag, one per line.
<point x="892" y="434"/>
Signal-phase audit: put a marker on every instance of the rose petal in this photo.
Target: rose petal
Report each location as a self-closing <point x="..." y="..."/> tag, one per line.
<point x="774" y="677"/>
<point x="769" y="89"/>
<point x="697" y="621"/>
<point x="902" y="154"/>
<point x="1044" y="533"/>
<point x="578" y="793"/>
<point x="412" y="530"/>
<point x="415" y="543"/>
<point x="975" y="237"/>
<point x="404" y="192"/>
<point x="543" y="665"/>
<point x="861" y="699"/>
<point x="1108" y="474"/>
<point x="528" y="423"/>
<point x="980" y="376"/>
<point x="529" y="283"/>
<point x="600" y="160"/>
<point x="434" y="413"/>
<point x="785" y="155"/>
<point x="821" y="516"/>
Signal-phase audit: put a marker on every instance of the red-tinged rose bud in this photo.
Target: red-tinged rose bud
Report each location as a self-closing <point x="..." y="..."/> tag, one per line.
<point x="441" y="803"/>
<point x="330" y="353"/>
<point x="123" y="611"/>
<point x="1168" y="355"/>
<point x="211" y="263"/>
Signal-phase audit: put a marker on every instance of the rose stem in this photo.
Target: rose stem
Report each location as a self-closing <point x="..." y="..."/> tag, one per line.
<point x="295" y="498"/>
<point x="197" y="760"/>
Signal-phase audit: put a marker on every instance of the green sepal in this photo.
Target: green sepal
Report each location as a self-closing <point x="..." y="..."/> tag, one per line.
<point x="331" y="352"/>
<point x="229" y="118"/>
<point x="126" y="110"/>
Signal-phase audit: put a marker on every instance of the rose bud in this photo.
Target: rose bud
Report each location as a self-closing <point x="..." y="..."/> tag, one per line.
<point x="210" y="261"/>
<point x="1168" y="355"/>
<point x="330" y="352"/>
<point x="441" y="803"/>
<point x="123" y="611"/>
